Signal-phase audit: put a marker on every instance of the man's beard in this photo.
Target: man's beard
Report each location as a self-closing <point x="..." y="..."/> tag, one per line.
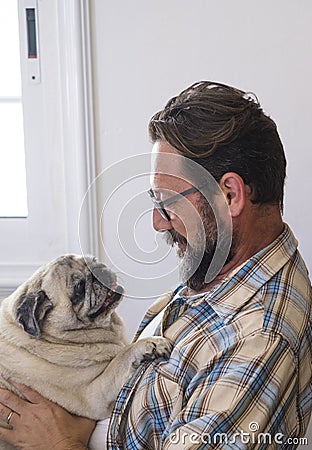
<point x="196" y="259"/>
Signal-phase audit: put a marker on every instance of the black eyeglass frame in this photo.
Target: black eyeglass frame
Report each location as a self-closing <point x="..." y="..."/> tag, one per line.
<point x="161" y="204"/>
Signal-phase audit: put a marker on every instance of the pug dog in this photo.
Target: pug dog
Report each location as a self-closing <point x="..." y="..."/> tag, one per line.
<point x="60" y="335"/>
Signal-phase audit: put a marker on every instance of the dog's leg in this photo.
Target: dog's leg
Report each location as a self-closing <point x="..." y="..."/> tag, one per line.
<point x="133" y="355"/>
<point x="123" y="366"/>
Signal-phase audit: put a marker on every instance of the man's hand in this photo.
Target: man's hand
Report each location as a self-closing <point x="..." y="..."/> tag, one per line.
<point x="39" y="424"/>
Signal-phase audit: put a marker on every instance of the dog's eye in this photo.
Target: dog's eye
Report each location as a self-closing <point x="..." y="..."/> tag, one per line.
<point x="79" y="291"/>
<point x="80" y="288"/>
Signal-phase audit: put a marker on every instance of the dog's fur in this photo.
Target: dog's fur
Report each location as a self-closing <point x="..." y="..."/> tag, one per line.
<point x="60" y="335"/>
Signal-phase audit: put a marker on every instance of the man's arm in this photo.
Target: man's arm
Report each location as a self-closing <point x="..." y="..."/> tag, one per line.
<point x="249" y="397"/>
<point x="250" y="388"/>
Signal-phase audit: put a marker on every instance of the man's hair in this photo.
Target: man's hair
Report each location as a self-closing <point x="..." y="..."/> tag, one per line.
<point x="225" y="130"/>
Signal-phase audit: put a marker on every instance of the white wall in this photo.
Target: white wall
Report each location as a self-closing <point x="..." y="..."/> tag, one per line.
<point x="144" y="52"/>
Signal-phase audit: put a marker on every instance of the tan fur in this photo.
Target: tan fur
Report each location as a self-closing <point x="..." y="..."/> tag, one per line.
<point x="79" y="363"/>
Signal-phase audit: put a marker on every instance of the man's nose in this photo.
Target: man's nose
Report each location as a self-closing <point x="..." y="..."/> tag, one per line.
<point x="159" y="223"/>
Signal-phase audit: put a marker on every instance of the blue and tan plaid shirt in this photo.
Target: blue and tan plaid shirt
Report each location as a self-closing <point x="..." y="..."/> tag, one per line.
<point x="239" y="376"/>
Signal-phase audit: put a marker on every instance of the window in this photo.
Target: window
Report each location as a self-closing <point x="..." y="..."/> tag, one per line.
<point x="58" y="137"/>
<point x="13" y="198"/>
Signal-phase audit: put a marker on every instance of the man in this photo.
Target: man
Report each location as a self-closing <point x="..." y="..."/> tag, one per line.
<point x="239" y="375"/>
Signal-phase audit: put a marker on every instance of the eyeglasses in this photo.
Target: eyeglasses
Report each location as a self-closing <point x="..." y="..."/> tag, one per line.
<point x="160" y="205"/>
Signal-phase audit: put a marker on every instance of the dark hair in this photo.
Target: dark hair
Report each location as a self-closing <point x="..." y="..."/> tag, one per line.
<point x="225" y="130"/>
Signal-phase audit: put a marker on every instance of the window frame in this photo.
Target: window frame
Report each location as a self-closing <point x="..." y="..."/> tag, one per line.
<point x="59" y="145"/>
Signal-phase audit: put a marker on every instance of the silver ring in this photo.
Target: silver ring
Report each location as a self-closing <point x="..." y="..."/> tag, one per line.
<point x="10" y="417"/>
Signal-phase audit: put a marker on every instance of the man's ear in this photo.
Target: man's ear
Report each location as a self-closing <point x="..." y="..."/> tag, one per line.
<point x="234" y="190"/>
<point x="31" y="312"/>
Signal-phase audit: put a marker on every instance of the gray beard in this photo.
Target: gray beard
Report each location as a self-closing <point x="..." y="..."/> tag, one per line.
<point x="194" y="261"/>
<point x="197" y="265"/>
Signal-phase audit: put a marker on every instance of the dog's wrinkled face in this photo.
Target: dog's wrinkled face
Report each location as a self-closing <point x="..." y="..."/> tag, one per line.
<point x="71" y="294"/>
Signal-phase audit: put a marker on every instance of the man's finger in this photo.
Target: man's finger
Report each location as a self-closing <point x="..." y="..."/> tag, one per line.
<point x="6" y="416"/>
<point x="11" y="401"/>
<point x="31" y="395"/>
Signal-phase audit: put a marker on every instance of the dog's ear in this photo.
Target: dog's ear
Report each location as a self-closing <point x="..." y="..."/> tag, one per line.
<point x="32" y="310"/>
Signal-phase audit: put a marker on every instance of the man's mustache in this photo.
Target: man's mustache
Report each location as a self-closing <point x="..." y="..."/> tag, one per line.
<point x="173" y="237"/>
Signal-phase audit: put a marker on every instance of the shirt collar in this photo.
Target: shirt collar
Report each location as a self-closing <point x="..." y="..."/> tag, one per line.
<point x="239" y="287"/>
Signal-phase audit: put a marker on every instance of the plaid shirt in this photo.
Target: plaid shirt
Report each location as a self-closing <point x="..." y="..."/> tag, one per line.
<point x="239" y="376"/>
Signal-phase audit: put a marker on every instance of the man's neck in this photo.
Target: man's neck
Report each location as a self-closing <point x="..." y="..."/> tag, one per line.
<point x="250" y="243"/>
<point x="249" y="237"/>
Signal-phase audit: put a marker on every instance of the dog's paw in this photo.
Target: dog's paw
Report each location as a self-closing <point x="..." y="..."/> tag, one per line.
<point x="152" y="348"/>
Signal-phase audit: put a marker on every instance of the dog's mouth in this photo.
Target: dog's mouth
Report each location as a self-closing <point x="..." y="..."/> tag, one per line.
<point x="112" y="298"/>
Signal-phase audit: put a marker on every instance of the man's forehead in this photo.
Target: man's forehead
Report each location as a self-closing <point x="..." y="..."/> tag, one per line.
<point x="166" y="165"/>
<point x="165" y="158"/>
<point x="171" y="169"/>
<point x="165" y="174"/>
<point x="161" y="182"/>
